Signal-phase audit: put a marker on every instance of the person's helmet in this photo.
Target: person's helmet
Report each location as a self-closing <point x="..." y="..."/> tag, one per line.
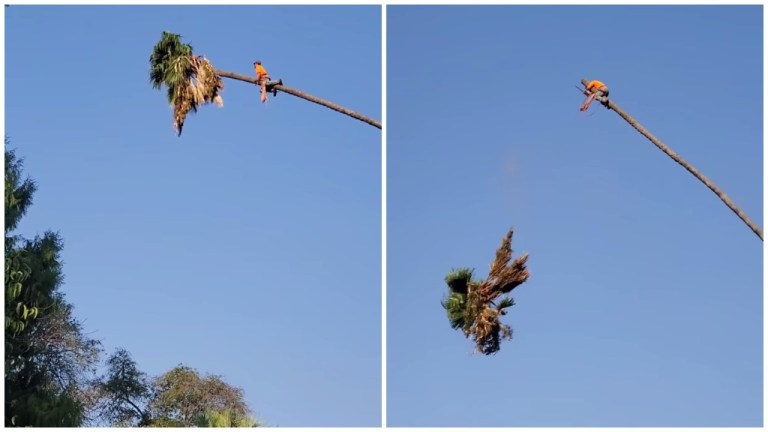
<point x="257" y="62"/>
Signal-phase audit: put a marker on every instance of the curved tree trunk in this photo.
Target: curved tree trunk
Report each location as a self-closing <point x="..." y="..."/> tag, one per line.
<point x="302" y="95"/>
<point x="612" y="105"/>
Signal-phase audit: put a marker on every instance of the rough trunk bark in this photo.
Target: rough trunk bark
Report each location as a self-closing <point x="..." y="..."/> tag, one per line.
<point x="731" y="205"/>
<point x="302" y="95"/>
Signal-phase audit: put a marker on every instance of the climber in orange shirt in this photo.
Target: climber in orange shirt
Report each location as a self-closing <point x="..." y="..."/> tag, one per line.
<point x="261" y="79"/>
<point x="596" y="89"/>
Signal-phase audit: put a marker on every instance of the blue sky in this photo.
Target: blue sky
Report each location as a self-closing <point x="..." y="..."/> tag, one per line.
<point x="249" y="247"/>
<point x="644" y="307"/>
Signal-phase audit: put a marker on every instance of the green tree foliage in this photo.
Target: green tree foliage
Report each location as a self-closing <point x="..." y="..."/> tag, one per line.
<point x="226" y="419"/>
<point x="48" y="359"/>
<point x="181" y="397"/>
<point x="48" y="370"/>
<point x="18" y="198"/>
<point x="50" y="376"/>
<point x="475" y="306"/>
<point x="124" y="392"/>
<point x="18" y="192"/>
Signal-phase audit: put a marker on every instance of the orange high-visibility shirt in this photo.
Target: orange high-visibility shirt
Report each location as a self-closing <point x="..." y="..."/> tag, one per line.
<point x="260" y="71"/>
<point x="595" y="84"/>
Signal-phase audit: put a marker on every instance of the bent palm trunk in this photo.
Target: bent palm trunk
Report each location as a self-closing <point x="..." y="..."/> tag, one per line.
<point x="304" y="96"/>
<point x="192" y="81"/>
<point x="731" y="205"/>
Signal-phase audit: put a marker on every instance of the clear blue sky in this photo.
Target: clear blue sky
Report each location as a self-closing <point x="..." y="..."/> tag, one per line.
<point x="644" y="307"/>
<point x="251" y="246"/>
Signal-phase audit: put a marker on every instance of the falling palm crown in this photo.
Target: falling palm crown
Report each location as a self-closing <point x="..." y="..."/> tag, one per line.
<point x="472" y="305"/>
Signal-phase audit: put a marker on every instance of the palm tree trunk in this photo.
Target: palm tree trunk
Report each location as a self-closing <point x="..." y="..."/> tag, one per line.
<point x="302" y="95"/>
<point x="612" y="105"/>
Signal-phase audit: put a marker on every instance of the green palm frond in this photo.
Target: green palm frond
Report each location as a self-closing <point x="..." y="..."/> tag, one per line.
<point x="458" y="280"/>
<point x="166" y="62"/>
<point x="455" y="306"/>
<point x="505" y="303"/>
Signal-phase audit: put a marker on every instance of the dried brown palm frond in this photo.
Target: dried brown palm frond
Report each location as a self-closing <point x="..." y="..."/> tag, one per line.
<point x="202" y="86"/>
<point x="207" y="84"/>
<point x="488" y="331"/>
<point x="503" y="276"/>
<point x="182" y="104"/>
<point x="475" y="307"/>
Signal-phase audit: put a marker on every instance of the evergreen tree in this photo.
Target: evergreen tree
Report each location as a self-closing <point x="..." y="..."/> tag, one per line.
<point x="48" y="359"/>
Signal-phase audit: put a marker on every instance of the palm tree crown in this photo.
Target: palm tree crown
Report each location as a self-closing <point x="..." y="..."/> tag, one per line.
<point x="190" y="80"/>
<point x="474" y="306"/>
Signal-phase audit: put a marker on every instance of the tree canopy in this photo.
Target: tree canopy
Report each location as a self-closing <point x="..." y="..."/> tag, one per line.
<point x="51" y="363"/>
<point x="181" y="397"/>
<point x="48" y="357"/>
